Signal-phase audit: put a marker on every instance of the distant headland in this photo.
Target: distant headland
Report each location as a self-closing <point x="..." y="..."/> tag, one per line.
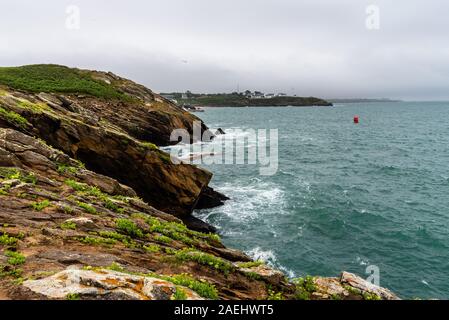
<point x="243" y="99"/>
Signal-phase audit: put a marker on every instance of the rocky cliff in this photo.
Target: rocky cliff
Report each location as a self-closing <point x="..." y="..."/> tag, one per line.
<point x="90" y="208"/>
<point x="113" y="129"/>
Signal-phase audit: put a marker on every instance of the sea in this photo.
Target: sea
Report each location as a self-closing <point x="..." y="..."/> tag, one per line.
<point x="345" y="196"/>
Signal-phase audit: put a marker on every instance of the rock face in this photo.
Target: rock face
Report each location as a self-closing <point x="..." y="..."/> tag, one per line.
<point x="350" y="286"/>
<point x="106" y="284"/>
<point x="55" y="214"/>
<point x="116" y="138"/>
<point x="70" y="231"/>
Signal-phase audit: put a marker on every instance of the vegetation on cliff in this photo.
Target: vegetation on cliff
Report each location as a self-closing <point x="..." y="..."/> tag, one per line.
<point x="240" y="100"/>
<point x="58" y="79"/>
<point x="90" y="208"/>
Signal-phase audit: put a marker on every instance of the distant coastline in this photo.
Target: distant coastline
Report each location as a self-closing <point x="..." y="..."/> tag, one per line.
<point x="361" y="100"/>
<point x="243" y="100"/>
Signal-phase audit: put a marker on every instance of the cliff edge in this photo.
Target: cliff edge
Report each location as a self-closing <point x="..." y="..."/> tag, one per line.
<point x="90" y="208"/>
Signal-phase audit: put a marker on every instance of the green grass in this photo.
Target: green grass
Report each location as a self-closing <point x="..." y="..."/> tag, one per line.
<point x="77" y="186"/>
<point x="58" y="79"/>
<point x="95" y="192"/>
<point x="180" y="294"/>
<point x="87" y="207"/>
<point x="272" y="295"/>
<point x="41" y="205"/>
<point x="205" y="259"/>
<point x="152" y="248"/>
<point x="126" y="240"/>
<point x="15" y="258"/>
<point x="14" y="118"/>
<point x="63" y="169"/>
<point x="129" y="227"/>
<point x="7" y="240"/>
<point x="10" y="272"/>
<point x="68" y="225"/>
<point x="176" y="231"/>
<point x="163" y="239"/>
<point x="304" y="287"/>
<point x="253" y="276"/>
<point x="250" y="264"/>
<point x="149" y="145"/>
<point x="96" y="241"/>
<point x="72" y="296"/>
<point x="4" y="190"/>
<point x="203" y="288"/>
<point x="370" y="296"/>
<point x="33" y="107"/>
<point x="15" y="174"/>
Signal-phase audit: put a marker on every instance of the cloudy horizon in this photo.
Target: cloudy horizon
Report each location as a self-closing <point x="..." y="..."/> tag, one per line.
<point x="309" y="48"/>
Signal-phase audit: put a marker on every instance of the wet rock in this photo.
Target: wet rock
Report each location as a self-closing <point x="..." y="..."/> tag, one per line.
<point x="210" y="198"/>
<point x="219" y="131"/>
<point x="198" y="225"/>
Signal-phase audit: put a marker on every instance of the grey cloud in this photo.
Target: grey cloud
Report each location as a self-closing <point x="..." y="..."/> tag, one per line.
<point x="318" y="47"/>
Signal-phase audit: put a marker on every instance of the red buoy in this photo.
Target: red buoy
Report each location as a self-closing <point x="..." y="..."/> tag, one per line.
<point x="356" y="119"/>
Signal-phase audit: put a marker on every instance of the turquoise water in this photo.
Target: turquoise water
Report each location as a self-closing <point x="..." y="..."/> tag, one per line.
<point x="345" y="196"/>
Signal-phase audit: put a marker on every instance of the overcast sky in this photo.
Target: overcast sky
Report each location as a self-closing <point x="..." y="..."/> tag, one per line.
<point x="309" y="47"/>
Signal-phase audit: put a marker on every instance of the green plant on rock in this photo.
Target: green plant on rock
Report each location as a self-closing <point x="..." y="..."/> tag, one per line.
<point x="63" y="169"/>
<point x="7" y="240"/>
<point x="73" y="296"/>
<point x="175" y="230"/>
<point x="33" y="107"/>
<point x="7" y="271"/>
<point x="370" y="296"/>
<point x="304" y="287"/>
<point x="15" y="258"/>
<point x="129" y="227"/>
<point x="203" y="288"/>
<point x="250" y="264"/>
<point x="152" y="248"/>
<point x="352" y="290"/>
<point x="5" y="190"/>
<point x="126" y="240"/>
<point x="111" y="205"/>
<point x="273" y="295"/>
<point x="61" y="79"/>
<point x="67" y="209"/>
<point x="205" y="259"/>
<point x="163" y="239"/>
<point x="96" y="241"/>
<point x="179" y="294"/>
<point x="87" y="207"/>
<point x="41" y="205"/>
<point x="14" y="118"/>
<point x="149" y="146"/>
<point x="75" y="185"/>
<point x="15" y="174"/>
<point x="253" y="276"/>
<point x="68" y="225"/>
<point x="116" y="267"/>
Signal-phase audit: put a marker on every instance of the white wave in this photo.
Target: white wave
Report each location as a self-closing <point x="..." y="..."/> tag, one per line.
<point x="362" y="261"/>
<point x="265" y="255"/>
<point x="252" y="200"/>
<point x="269" y="258"/>
<point x="424" y="282"/>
